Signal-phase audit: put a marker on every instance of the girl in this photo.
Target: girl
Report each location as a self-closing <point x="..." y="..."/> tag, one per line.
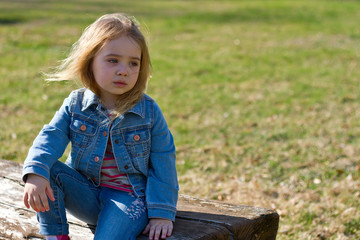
<point x="120" y="174"/>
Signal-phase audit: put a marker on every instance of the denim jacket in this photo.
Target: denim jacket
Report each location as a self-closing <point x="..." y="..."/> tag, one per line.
<point x="142" y="144"/>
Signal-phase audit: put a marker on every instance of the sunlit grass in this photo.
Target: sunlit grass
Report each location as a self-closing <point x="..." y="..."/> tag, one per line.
<point x="262" y="97"/>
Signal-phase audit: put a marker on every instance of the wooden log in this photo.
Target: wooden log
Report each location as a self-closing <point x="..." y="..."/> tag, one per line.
<point x="196" y="218"/>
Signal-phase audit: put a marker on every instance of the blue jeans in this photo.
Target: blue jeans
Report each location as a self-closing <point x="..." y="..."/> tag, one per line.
<point x="116" y="214"/>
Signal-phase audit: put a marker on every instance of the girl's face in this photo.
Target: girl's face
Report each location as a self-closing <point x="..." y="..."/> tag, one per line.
<point x="116" y="68"/>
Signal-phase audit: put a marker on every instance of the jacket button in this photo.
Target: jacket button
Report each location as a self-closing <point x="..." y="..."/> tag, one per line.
<point x="117" y="141"/>
<point x="126" y="167"/>
<point x="105" y="133"/>
<point x="83" y="127"/>
<point x="96" y="159"/>
<point x="136" y="137"/>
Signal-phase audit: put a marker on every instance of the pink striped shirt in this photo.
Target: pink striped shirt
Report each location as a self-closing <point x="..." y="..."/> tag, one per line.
<point x="110" y="175"/>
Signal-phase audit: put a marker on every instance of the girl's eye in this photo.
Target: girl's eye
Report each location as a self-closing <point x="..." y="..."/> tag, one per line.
<point x="112" y="61"/>
<point x="134" y="64"/>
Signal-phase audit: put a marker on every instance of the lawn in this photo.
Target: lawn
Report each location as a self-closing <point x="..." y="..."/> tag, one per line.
<point x="262" y="97"/>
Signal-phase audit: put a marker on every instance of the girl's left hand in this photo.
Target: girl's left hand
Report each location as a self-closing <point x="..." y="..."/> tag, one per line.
<point x="157" y="226"/>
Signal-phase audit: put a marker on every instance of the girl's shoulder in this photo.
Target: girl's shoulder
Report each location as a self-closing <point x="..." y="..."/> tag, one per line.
<point x="151" y="101"/>
<point x="82" y="98"/>
<point x="78" y="93"/>
<point x="152" y="106"/>
<point x="147" y="106"/>
<point x="81" y="92"/>
<point x="148" y="98"/>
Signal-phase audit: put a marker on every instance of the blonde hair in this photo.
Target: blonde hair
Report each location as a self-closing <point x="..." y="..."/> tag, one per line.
<point x="78" y="65"/>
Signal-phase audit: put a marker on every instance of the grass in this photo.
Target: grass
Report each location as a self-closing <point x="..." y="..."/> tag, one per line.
<point x="261" y="96"/>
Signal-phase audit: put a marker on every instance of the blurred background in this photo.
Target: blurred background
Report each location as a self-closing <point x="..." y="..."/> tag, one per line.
<point x="262" y="97"/>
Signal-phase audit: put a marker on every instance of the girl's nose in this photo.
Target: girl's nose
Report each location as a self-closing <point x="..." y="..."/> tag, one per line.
<point x="122" y="71"/>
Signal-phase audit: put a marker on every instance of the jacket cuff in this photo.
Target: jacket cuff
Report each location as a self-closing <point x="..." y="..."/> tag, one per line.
<point x="162" y="212"/>
<point x="38" y="169"/>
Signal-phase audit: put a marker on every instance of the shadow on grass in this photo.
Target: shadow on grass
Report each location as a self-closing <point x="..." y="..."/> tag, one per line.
<point x="10" y="21"/>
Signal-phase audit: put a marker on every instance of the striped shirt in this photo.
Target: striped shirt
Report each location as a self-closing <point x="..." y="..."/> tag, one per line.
<point x="110" y="175"/>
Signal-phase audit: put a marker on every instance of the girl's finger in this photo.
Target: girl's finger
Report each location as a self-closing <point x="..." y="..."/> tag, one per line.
<point x="50" y="193"/>
<point x="157" y="233"/>
<point x="26" y="201"/>
<point x="44" y="201"/>
<point x="164" y="232"/>
<point x="32" y="204"/>
<point x="170" y="229"/>
<point x="38" y="203"/>
<point x="152" y="233"/>
<point x="146" y="230"/>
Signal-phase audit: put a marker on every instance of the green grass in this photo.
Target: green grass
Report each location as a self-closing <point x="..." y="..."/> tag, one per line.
<point x="262" y="97"/>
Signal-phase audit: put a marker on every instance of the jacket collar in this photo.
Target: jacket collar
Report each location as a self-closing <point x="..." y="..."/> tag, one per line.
<point x="91" y="99"/>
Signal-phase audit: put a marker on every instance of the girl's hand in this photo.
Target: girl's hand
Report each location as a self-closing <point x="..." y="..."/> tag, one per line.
<point x="36" y="191"/>
<point x="157" y="226"/>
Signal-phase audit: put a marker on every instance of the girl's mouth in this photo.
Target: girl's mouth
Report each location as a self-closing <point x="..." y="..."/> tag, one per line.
<point x="120" y="84"/>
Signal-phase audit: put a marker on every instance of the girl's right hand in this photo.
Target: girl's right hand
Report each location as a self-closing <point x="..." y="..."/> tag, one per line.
<point x="36" y="191"/>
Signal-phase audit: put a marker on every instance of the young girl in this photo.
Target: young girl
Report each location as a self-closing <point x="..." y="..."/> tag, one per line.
<point x="120" y="174"/>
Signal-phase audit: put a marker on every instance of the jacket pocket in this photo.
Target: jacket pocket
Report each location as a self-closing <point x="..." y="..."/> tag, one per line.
<point x="82" y="131"/>
<point x="137" y="143"/>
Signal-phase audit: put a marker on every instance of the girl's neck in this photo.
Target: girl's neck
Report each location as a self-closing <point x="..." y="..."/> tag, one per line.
<point x="110" y="109"/>
<point x="109" y="104"/>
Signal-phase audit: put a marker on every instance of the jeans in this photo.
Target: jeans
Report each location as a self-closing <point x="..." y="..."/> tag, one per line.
<point x="116" y="214"/>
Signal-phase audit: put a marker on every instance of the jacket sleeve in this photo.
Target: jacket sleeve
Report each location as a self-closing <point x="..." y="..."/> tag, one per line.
<point x="50" y="144"/>
<point x="162" y="183"/>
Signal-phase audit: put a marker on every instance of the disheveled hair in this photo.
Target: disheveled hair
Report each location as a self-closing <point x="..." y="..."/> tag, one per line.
<point x="78" y="65"/>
